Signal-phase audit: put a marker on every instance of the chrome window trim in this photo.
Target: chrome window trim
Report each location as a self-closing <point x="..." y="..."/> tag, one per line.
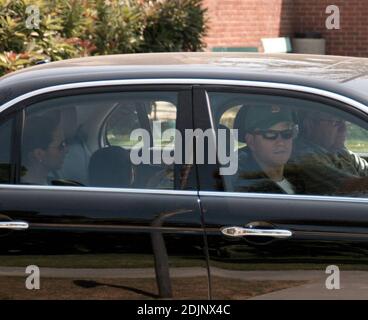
<point x="210" y="114"/>
<point x="221" y="194"/>
<point x="273" y="196"/>
<point x="173" y="81"/>
<point x="97" y="189"/>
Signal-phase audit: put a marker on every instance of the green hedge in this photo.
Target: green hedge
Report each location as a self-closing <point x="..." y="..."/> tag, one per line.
<point x="76" y="28"/>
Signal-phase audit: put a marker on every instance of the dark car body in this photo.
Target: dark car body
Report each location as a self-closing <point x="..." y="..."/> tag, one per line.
<point x="132" y="242"/>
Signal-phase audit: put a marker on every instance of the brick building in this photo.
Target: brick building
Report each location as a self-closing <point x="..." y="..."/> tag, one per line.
<point x="242" y="23"/>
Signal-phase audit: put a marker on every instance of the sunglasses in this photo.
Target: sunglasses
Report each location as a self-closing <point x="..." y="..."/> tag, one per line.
<point x="274" y="134"/>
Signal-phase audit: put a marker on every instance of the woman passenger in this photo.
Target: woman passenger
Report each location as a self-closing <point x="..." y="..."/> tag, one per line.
<point x="44" y="148"/>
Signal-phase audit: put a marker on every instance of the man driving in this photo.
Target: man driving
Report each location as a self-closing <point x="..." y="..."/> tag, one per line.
<point x="325" y="164"/>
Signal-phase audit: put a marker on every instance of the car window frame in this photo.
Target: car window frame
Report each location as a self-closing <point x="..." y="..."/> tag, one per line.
<point x="15" y="119"/>
<point x="202" y="109"/>
<point x="353" y="104"/>
<point x="183" y="121"/>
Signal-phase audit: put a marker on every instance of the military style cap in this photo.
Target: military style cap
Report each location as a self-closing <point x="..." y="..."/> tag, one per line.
<point x="265" y="116"/>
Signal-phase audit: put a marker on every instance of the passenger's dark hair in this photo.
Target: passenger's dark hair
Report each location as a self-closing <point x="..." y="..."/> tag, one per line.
<point x="39" y="130"/>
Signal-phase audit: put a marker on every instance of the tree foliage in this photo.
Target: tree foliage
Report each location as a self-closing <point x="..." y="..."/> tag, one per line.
<point x="76" y="28"/>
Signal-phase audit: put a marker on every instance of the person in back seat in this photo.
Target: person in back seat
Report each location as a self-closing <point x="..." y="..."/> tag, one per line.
<point x="44" y="148"/>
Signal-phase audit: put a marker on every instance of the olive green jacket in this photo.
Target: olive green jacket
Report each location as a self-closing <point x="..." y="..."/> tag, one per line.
<point x="324" y="172"/>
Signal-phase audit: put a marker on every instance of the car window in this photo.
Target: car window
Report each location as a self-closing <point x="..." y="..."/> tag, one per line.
<point x="357" y="139"/>
<point x="100" y="140"/>
<point x="286" y="145"/>
<point x="228" y="117"/>
<point x="5" y="151"/>
<point x="160" y="114"/>
<point x="118" y="135"/>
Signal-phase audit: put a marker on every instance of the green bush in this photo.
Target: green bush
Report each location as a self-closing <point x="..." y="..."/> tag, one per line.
<point x="118" y="28"/>
<point x="76" y="28"/>
<point x="21" y="47"/>
<point x="176" y="25"/>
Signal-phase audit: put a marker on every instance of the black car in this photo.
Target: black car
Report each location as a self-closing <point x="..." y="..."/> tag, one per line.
<point x="79" y="203"/>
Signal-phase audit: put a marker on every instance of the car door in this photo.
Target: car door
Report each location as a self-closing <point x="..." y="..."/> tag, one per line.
<point x="90" y="221"/>
<point x="268" y="244"/>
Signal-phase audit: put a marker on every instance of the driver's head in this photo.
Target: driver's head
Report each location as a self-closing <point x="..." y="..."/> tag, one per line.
<point x="340" y="137"/>
<point x="324" y="129"/>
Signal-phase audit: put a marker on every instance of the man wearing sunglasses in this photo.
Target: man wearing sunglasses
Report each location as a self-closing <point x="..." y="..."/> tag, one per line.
<point x="270" y="131"/>
<point x="325" y="164"/>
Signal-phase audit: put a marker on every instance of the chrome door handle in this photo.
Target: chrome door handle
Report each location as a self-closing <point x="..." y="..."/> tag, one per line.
<point x="14" y="225"/>
<point x="242" y="232"/>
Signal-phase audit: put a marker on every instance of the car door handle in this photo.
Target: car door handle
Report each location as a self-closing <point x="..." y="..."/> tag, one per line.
<point x="245" y="232"/>
<point x="14" y="225"/>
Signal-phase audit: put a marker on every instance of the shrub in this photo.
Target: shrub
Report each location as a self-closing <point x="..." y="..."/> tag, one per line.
<point x="176" y="25"/>
<point x="118" y="28"/>
<point x="75" y="28"/>
<point x="21" y="47"/>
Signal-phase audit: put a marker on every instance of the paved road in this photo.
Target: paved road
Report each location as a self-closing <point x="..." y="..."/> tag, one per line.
<point x="354" y="284"/>
<point x="175" y="272"/>
<point x="142" y="273"/>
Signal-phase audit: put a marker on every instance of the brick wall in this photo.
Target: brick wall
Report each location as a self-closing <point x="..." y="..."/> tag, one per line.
<point x="351" y="39"/>
<point x="243" y="23"/>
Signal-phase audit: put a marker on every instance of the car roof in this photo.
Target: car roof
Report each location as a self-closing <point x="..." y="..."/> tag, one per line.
<point x="344" y="75"/>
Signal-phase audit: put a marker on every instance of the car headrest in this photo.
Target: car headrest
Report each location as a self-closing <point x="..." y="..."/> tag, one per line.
<point x="239" y="123"/>
<point x="110" y="167"/>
